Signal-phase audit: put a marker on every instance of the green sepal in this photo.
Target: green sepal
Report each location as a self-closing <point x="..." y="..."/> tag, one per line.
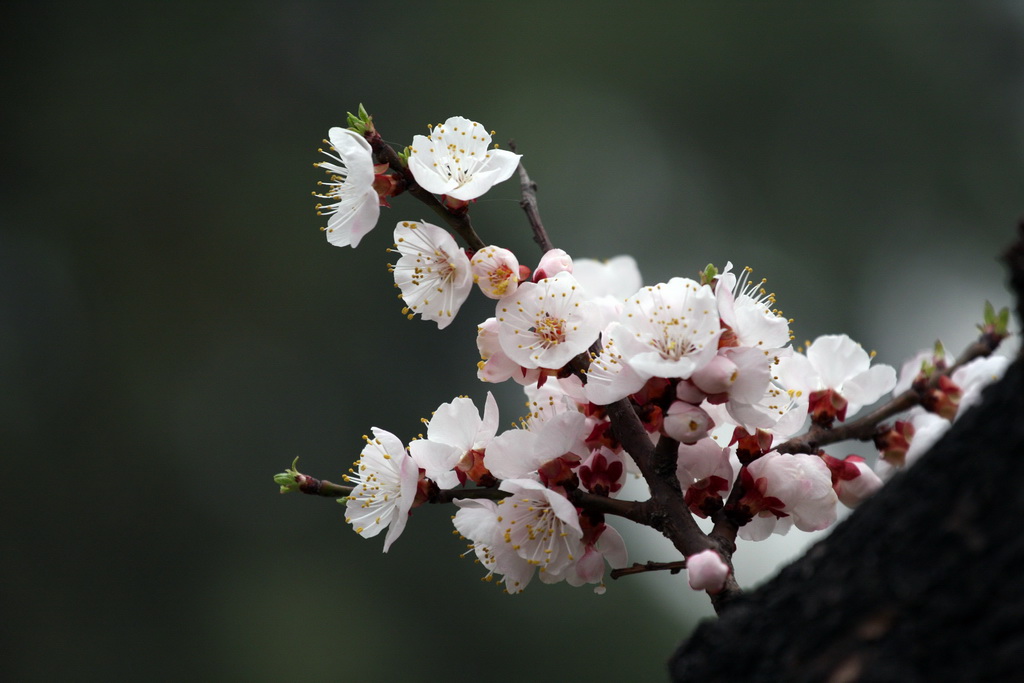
<point x="997" y="322"/>
<point x="360" y="122"/>
<point x="288" y="480"/>
<point x="709" y="274"/>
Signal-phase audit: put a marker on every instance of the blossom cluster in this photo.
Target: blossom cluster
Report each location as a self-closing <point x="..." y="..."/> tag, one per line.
<point x="707" y="364"/>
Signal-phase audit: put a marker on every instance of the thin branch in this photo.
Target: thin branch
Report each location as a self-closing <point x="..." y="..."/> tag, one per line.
<point x="457" y="220"/>
<point x="590" y="502"/>
<point x="628" y="509"/>
<point x="529" y="205"/>
<point x="864" y="429"/>
<point x="666" y="510"/>
<point x="640" y="568"/>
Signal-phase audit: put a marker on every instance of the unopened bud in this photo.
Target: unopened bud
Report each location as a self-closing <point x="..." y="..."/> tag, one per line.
<point x="552" y="263"/>
<point x="943" y="400"/>
<point x="716" y="377"/>
<point x="893" y="443"/>
<point x="706" y="571"/>
<point x="686" y="423"/>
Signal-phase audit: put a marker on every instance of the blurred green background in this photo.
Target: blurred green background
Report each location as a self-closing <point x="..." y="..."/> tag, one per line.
<point x="174" y="329"/>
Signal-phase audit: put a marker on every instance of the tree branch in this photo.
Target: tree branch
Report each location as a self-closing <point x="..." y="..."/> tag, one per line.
<point x="640" y="568"/>
<point x="628" y="509"/>
<point x="529" y="205"/>
<point x="864" y="429"/>
<point x="457" y="220"/>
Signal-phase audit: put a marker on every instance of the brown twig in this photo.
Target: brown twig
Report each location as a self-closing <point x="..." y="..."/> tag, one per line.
<point x="640" y="568"/>
<point x="529" y="205"/>
<point x="457" y="220"/>
<point x="590" y="502"/>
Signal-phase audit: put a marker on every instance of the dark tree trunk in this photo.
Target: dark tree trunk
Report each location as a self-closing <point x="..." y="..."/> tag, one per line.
<point x="924" y="582"/>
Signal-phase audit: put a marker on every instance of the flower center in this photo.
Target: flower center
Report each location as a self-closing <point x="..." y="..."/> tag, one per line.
<point x="673" y="343"/>
<point x="499" y="279"/>
<point x="550" y="330"/>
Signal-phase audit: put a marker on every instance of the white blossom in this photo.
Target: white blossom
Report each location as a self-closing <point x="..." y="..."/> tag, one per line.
<point x="546" y="324"/>
<point x="677" y="324"/>
<point x="803" y="483"/>
<point x="518" y="453"/>
<point x="453" y="431"/>
<point x="433" y="272"/>
<point x="836" y="362"/>
<point x="541" y="526"/>
<point x="478" y="521"/>
<point x="746" y="308"/>
<point x="454" y="160"/>
<point x="385" y="479"/>
<point x="706" y="571"/>
<point x="495" y="271"/>
<point x="356" y="204"/>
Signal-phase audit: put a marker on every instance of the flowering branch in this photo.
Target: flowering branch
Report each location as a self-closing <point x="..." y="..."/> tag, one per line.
<point x="867" y="427"/>
<point x="864" y="429"/>
<point x="458" y="219"/>
<point x="666" y="510"/>
<point x="292" y="480"/>
<point x="681" y="378"/>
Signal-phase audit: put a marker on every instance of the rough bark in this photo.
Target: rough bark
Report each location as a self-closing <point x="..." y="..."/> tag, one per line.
<point x="924" y="582"/>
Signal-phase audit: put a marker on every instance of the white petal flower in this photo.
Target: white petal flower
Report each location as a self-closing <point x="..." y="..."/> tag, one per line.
<point x="928" y="428"/>
<point x="454" y="160"/>
<point x="686" y="423"/>
<point x="975" y="376"/>
<point x="433" y="273"/>
<point x="385" y="479"/>
<point x="544" y="325"/>
<point x="494" y="365"/>
<point x="496" y="272"/>
<point x="589" y="568"/>
<point x="702" y="460"/>
<point x="610" y="377"/>
<point x="454" y="430"/>
<point x="553" y="262"/>
<point x="608" y="283"/>
<point x="747" y="309"/>
<point x="356" y="204"/>
<point x="617" y="277"/>
<point x="478" y="521"/>
<point x="803" y="483"/>
<point x="837" y="362"/>
<point x="518" y="453"/>
<point x="541" y="526"/>
<point x="853" y="491"/>
<point x="678" y="324"/>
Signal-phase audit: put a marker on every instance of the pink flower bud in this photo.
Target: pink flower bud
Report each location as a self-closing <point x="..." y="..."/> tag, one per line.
<point x="706" y="571"/>
<point x="552" y="263"/>
<point x="686" y="423"/>
<point x="687" y="391"/>
<point x="717" y="376"/>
